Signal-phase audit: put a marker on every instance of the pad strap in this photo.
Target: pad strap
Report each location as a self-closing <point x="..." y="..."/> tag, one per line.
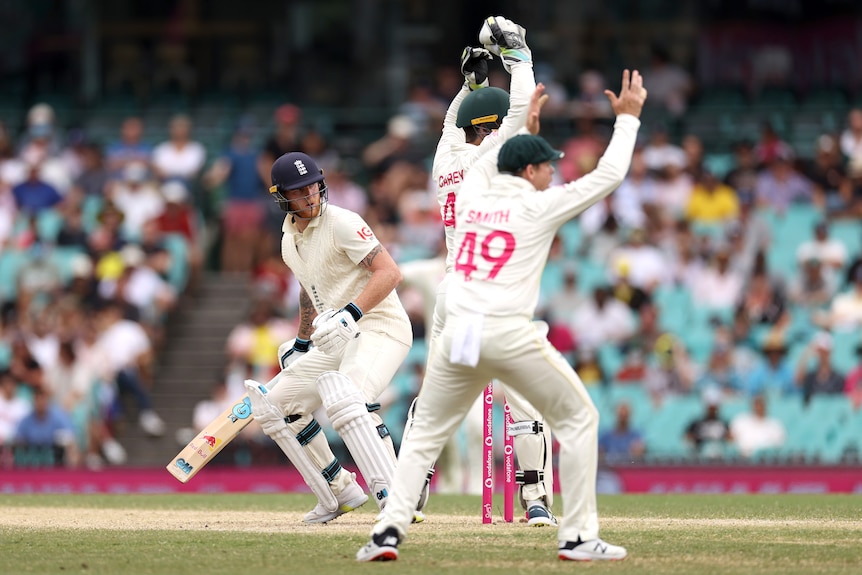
<point x="525" y="428"/>
<point x="529" y="477"/>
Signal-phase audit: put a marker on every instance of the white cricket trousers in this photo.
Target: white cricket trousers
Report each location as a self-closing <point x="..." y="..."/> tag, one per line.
<point x="533" y="451"/>
<point x="512" y="351"/>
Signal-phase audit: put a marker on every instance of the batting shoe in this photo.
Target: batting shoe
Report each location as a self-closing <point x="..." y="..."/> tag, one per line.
<point x="382" y="547"/>
<point x="590" y="550"/>
<point x="538" y="516"/>
<point x="352" y="497"/>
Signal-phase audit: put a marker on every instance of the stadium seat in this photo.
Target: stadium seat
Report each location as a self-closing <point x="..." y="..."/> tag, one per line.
<point x="10" y="263"/>
<point x="177" y="246"/>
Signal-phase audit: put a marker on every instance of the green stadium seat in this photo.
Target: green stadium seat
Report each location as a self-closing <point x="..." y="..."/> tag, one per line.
<point x="49" y="222"/>
<point x="177" y="246"/>
<point x="10" y="264"/>
<point x="63" y="257"/>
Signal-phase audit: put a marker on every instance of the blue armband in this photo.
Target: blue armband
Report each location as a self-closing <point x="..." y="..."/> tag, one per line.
<point x="353" y="310"/>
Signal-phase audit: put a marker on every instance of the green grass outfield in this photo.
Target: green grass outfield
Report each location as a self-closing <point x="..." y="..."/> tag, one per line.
<point x="263" y="534"/>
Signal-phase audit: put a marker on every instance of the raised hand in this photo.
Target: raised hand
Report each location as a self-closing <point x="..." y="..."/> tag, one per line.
<point x="537" y="100"/>
<point x="632" y="95"/>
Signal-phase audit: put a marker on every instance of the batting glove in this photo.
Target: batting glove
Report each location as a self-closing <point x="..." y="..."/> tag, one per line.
<point x="474" y="67"/>
<point x="291" y="350"/>
<point x="503" y="37"/>
<point x="334" y="329"/>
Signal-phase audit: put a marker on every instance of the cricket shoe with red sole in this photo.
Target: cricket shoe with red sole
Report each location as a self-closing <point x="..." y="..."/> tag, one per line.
<point x="590" y="550"/>
<point x="382" y="547"/>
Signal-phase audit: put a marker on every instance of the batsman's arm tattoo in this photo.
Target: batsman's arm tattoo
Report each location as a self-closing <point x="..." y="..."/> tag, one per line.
<point x="306" y="314"/>
<point x="369" y="259"/>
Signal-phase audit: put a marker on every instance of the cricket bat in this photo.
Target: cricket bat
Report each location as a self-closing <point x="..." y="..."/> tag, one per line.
<point x="213" y="438"/>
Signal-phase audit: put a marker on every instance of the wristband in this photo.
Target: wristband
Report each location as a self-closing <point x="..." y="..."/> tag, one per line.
<point x="353" y="310"/>
<point x="302" y="345"/>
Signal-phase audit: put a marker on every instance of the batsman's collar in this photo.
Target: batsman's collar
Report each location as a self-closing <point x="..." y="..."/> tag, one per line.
<point x="523" y="150"/>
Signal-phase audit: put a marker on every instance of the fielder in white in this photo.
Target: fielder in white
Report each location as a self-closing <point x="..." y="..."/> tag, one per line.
<point x="480" y="119"/>
<point x="352" y="337"/>
<point x="505" y="228"/>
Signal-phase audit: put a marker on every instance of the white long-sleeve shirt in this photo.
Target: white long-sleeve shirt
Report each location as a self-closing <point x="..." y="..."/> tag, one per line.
<point x="505" y="228"/>
<point x="454" y="156"/>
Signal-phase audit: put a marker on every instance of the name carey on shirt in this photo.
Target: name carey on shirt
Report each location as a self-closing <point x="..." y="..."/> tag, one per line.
<point x="450" y="179"/>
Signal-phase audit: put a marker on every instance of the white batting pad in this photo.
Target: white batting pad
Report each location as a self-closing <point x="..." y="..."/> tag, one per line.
<point x="346" y="409"/>
<point x="271" y="420"/>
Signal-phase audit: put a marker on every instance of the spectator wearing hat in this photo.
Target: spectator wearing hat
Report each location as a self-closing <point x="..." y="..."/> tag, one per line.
<point x="670" y="370"/>
<point x="812" y="287"/>
<point x="822" y="378"/>
<point x="711" y="200"/>
<point x="137" y="198"/>
<point x="755" y="430"/>
<point x="180" y="218"/>
<point x="831" y="253"/>
<point x="647" y="266"/>
<point x="773" y="374"/>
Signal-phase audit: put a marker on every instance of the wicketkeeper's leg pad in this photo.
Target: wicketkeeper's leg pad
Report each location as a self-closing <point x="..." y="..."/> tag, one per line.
<point x="317" y="475"/>
<point x="367" y="440"/>
<point x="531" y="447"/>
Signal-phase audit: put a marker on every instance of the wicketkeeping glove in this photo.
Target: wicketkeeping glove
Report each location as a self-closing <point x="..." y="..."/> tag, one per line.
<point x="474" y="67"/>
<point x="503" y="37"/>
<point x="291" y="350"/>
<point x="334" y="329"/>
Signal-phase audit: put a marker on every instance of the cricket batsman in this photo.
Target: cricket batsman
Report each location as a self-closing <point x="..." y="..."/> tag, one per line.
<point x="480" y="119"/>
<point x="505" y="227"/>
<point x="353" y="335"/>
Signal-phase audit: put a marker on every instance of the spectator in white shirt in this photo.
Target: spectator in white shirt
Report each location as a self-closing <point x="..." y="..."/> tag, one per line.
<point x="831" y="253"/>
<point x="647" y="266"/>
<point x="180" y="157"/>
<point x="603" y="319"/>
<point x="755" y="430"/>
<point x="717" y="286"/>
<point x="13" y="408"/>
<point x="138" y="199"/>
<point x="128" y="353"/>
<point x="851" y="137"/>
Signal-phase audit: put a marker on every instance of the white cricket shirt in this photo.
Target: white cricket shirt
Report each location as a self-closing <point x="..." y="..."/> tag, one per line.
<point x="325" y="260"/>
<point x="454" y="156"/>
<point x="505" y="228"/>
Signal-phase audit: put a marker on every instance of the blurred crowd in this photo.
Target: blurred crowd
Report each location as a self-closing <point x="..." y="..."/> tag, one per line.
<point x="687" y="281"/>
